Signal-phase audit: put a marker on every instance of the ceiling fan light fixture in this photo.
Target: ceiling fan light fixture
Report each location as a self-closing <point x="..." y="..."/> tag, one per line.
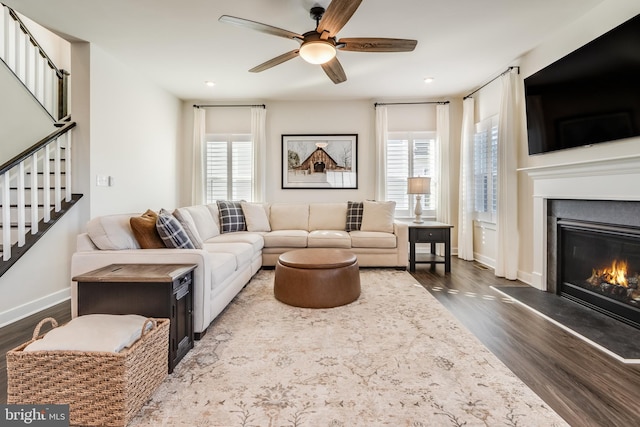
<point x="317" y="51"/>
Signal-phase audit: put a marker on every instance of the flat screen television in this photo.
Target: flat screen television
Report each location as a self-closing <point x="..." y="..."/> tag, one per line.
<point x="590" y="96"/>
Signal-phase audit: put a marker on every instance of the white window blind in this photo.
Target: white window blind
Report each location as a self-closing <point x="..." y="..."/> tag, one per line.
<point x="410" y="154"/>
<point x="229" y="167"/>
<point x="485" y="169"/>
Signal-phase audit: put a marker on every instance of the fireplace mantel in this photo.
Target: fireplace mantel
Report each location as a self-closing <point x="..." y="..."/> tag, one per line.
<point x="613" y="178"/>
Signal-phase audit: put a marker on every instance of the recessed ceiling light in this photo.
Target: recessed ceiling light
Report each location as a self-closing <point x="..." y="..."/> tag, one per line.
<point x="428" y="79"/>
<point x="209" y="83"/>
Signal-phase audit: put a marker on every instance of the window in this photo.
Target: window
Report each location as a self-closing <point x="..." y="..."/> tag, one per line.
<point x="485" y="169"/>
<point x="229" y="166"/>
<point x="410" y="154"/>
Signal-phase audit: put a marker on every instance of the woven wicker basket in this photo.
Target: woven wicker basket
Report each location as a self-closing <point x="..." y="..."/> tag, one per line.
<point x="101" y="388"/>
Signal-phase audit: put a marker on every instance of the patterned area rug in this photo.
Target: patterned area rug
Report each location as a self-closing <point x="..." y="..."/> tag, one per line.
<point x="394" y="357"/>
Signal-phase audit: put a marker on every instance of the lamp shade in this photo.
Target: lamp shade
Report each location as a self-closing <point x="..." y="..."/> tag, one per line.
<point x="317" y="51"/>
<point x="419" y="185"/>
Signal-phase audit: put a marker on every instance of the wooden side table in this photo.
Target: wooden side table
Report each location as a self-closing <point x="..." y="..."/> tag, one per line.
<point x="151" y="290"/>
<point x="429" y="232"/>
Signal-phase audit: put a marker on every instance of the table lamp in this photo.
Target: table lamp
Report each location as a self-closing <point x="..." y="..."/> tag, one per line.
<point x="419" y="185"/>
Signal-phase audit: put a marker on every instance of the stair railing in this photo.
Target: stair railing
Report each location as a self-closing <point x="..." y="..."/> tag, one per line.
<point x="13" y="187"/>
<point x="32" y="66"/>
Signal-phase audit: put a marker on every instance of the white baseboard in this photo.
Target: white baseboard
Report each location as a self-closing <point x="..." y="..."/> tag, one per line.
<point x="32" y="307"/>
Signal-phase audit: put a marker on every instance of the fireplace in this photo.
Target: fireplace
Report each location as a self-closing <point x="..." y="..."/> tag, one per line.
<point x="598" y="265"/>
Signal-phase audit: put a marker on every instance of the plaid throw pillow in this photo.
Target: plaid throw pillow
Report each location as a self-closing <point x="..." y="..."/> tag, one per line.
<point x="231" y="216"/>
<point x="171" y="231"/>
<point x="354" y="215"/>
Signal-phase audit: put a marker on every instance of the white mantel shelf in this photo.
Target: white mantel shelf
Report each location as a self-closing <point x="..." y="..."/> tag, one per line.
<point x="615" y="178"/>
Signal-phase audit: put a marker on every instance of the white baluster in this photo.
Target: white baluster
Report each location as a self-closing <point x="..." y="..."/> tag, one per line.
<point x="57" y="181"/>
<point x="67" y="168"/>
<point x="4" y="15"/>
<point x="16" y="49"/>
<point x="34" y="194"/>
<point x="20" y="203"/>
<point x="6" y="217"/>
<point x="46" y="188"/>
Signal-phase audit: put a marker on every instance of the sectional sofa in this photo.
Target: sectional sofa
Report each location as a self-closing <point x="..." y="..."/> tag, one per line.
<point x="230" y="241"/>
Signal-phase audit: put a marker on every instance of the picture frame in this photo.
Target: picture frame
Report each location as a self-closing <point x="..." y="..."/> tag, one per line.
<point x="320" y="161"/>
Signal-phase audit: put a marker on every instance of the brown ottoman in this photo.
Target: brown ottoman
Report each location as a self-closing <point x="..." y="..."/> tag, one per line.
<point x="317" y="278"/>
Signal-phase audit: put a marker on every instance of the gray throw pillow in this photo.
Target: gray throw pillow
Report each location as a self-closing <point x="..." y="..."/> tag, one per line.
<point x="354" y="216"/>
<point x="171" y="231"/>
<point x="231" y="216"/>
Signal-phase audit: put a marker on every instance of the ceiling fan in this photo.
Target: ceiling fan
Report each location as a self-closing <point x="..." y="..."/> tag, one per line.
<point x="319" y="46"/>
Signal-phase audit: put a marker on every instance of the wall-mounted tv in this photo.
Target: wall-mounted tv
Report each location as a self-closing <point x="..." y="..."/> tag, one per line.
<point x="592" y="95"/>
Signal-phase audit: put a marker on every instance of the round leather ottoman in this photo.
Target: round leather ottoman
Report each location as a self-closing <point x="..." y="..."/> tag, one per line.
<point x="317" y="278"/>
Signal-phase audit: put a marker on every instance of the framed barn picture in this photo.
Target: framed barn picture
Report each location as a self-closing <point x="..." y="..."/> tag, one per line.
<point x="320" y="161"/>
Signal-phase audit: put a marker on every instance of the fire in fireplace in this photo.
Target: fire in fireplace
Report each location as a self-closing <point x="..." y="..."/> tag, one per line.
<point x="615" y="282"/>
<point x="598" y="266"/>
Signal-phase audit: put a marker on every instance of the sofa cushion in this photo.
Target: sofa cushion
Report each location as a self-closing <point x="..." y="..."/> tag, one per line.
<point x="354" y="216"/>
<point x="204" y="221"/>
<point x="171" y="231"/>
<point x="254" y="239"/>
<point x="329" y="239"/>
<point x="215" y="213"/>
<point x="255" y="215"/>
<point x="327" y="216"/>
<point x="145" y="231"/>
<point x="289" y="216"/>
<point x="373" y="239"/>
<point x="378" y="216"/>
<point x="286" y="239"/>
<point x="186" y="221"/>
<point x="242" y="251"/>
<point x="112" y="232"/>
<point x="231" y="216"/>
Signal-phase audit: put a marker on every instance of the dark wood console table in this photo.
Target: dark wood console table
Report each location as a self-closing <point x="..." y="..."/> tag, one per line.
<point x="151" y="290"/>
<point x="429" y="232"/>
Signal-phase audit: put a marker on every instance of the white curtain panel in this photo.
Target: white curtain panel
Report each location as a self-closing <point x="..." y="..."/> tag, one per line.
<point x="443" y="209"/>
<point x="198" y="167"/>
<point x="466" y="197"/>
<point x="510" y="132"/>
<point x="259" y="137"/>
<point x="381" y="152"/>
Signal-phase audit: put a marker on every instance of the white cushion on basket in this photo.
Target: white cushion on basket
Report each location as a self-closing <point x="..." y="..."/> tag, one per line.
<point x="93" y="332"/>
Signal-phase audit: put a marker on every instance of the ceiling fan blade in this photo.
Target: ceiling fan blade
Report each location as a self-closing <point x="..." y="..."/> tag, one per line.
<point x="258" y="26"/>
<point x="372" y="44"/>
<point x="334" y="70"/>
<point x="275" y="61"/>
<point x="337" y="14"/>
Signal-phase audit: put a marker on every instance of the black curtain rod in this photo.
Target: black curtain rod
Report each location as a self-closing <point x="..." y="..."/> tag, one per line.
<point x="508" y="70"/>
<point x="229" y="106"/>
<point x="411" y="103"/>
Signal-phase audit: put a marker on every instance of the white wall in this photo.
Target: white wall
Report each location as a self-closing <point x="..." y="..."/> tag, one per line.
<point x="601" y="19"/>
<point x="23" y="121"/>
<point x="127" y="128"/>
<point x="311" y="117"/>
<point x="135" y="129"/>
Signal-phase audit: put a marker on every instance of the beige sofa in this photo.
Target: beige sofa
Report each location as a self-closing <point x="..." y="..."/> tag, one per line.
<point x="226" y="261"/>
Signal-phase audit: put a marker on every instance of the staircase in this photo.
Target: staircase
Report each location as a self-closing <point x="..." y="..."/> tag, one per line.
<point x="35" y="185"/>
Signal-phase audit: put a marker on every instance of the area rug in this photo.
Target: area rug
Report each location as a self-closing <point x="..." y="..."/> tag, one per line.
<point x="394" y="357"/>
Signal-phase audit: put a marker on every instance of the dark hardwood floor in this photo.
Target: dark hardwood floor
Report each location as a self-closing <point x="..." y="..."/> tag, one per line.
<point x="582" y="384"/>
<point x="585" y="386"/>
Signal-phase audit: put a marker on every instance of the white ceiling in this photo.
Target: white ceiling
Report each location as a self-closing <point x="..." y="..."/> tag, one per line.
<point x="180" y="45"/>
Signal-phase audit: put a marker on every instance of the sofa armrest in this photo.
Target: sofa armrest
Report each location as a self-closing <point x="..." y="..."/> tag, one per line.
<point x="401" y="230"/>
<point x="85" y="261"/>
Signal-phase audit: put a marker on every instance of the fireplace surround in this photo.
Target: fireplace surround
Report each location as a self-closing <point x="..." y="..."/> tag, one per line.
<point x="594" y="255"/>
<point x="597" y="191"/>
